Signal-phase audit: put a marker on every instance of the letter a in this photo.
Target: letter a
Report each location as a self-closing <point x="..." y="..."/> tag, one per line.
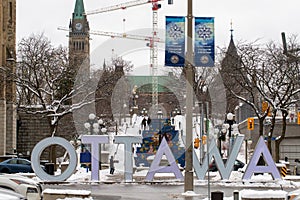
<point x="156" y="168"/>
<point x="261" y="149"/>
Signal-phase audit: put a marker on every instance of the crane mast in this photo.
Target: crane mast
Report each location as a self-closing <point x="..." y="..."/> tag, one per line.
<point x="153" y="40"/>
<point x="153" y="57"/>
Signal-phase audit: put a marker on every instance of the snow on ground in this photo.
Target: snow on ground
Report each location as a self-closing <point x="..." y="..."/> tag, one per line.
<point x="235" y="180"/>
<point x="254" y="194"/>
<point x="75" y="198"/>
<point x="71" y="192"/>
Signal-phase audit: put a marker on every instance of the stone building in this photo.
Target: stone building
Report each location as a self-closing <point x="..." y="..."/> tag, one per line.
<point x="8" y="67"/>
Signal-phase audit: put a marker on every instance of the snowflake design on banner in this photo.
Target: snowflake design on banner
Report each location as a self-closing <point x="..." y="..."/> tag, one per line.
<point x="175" y="31"/>
<point x="204" y="32"/>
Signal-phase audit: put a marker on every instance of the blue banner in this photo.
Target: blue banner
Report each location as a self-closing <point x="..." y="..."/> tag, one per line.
<point x="175" y="41"/>
<point x="204" y="47"/>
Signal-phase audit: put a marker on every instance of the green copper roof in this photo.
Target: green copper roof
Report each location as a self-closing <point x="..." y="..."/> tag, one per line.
<point x="78" y="10"/>
<point x="145" y="83"/>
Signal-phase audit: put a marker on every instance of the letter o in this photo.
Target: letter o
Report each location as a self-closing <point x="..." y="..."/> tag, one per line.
<point x="39" y="148"/>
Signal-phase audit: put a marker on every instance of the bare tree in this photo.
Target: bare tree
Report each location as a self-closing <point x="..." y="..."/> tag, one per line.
<point x="279" y="79"/>
<point x="112" y="87"/>
<point x="240" y="78"/>
<point x="264" y="73"/>
<point x="40" y="73"/>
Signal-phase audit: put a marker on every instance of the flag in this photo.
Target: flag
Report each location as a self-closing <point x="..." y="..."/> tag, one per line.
<point x="204" y="46"/>
<point x="175" y="41"/>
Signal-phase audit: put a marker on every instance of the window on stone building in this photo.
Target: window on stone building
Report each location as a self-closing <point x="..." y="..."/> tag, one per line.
<point x="10" y="12"/>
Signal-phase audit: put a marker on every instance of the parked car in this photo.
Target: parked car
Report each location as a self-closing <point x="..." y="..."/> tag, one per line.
<point x="16" y="165"/>
<point x="25" y="186"/>
<point x="293" y="195"/>
<point x="237" y="165"/>
<point x="10" y="195"/>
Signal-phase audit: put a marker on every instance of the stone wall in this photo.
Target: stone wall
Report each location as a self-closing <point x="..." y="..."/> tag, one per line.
<point x="32" y="128"/>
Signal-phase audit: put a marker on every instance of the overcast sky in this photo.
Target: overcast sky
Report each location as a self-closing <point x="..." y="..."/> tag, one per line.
<point x="255" y="19"/>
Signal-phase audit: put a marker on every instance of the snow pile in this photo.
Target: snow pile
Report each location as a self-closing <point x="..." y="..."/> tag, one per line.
<point x="81" y="175"/>
<point x="190" y="194"/>
<point x="75" y="198"/>
<point x="255" y="194"/>
<point x="71" y="192"/>
<point x="10" y="197"/>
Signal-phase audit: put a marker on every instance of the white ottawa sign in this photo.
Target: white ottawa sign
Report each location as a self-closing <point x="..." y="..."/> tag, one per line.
<point x="164" y="149"/>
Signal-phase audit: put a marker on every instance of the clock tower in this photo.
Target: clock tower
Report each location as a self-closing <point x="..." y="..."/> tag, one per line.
<point x="79" y="45"/>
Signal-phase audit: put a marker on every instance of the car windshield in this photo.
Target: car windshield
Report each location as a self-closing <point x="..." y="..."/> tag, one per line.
<point x="14" y="161"/>
<point x="23" y="162"/>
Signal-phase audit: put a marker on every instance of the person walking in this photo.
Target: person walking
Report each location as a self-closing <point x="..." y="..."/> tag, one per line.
<point x="148" y="122"/>
<point x="144" y="123"/>
<point x="112" y="165"/>
<point x="297" y="167"/>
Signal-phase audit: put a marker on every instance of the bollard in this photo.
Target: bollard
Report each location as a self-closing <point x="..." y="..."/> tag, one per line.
<point x="236" y="195"/>
<point x="217" y="195"/>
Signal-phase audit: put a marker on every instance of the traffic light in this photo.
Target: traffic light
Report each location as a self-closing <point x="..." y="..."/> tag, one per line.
<point x="265" y="106"/>
<point x="298" y="118"/>
<point x="250" y="125"/>
<point x="204" y="139"/>
<point x="196" y="143"/>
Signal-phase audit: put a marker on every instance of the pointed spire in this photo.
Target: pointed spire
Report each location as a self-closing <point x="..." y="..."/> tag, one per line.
<point x="104" y="65"/>
<point x="231" y="47"/>
<point x="78" y="10"/>
<point x="231" y="30"/>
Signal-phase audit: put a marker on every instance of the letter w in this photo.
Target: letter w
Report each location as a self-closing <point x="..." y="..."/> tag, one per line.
<point x="224" y="170"/>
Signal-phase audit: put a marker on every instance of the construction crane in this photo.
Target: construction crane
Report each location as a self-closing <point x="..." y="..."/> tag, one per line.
<point x="153" y="40"/>
<point x="120" y="35"/>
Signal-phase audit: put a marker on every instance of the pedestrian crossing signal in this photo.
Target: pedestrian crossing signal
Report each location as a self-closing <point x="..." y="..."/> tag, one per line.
<point x="196" y="143"/>
<point x="250" y="124"/>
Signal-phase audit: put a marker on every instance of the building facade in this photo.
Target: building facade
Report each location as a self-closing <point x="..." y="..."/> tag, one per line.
<point x="7" y="85"/>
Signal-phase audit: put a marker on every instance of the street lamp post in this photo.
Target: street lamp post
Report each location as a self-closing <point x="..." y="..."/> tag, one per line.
<point x="159" y="114"/>
<point x="175" y="112"/>
<point x="189" y="174"/>
<point x="95" y="127"/>
<point x="144" y="112"/>
<point x="223" y="137"/>
<point x="230" y="121"/>
<point x="124" y="112"/>
<point x="219" y="131"/>
<point x="135" y="97"/>
<point x="131" y="114"/>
